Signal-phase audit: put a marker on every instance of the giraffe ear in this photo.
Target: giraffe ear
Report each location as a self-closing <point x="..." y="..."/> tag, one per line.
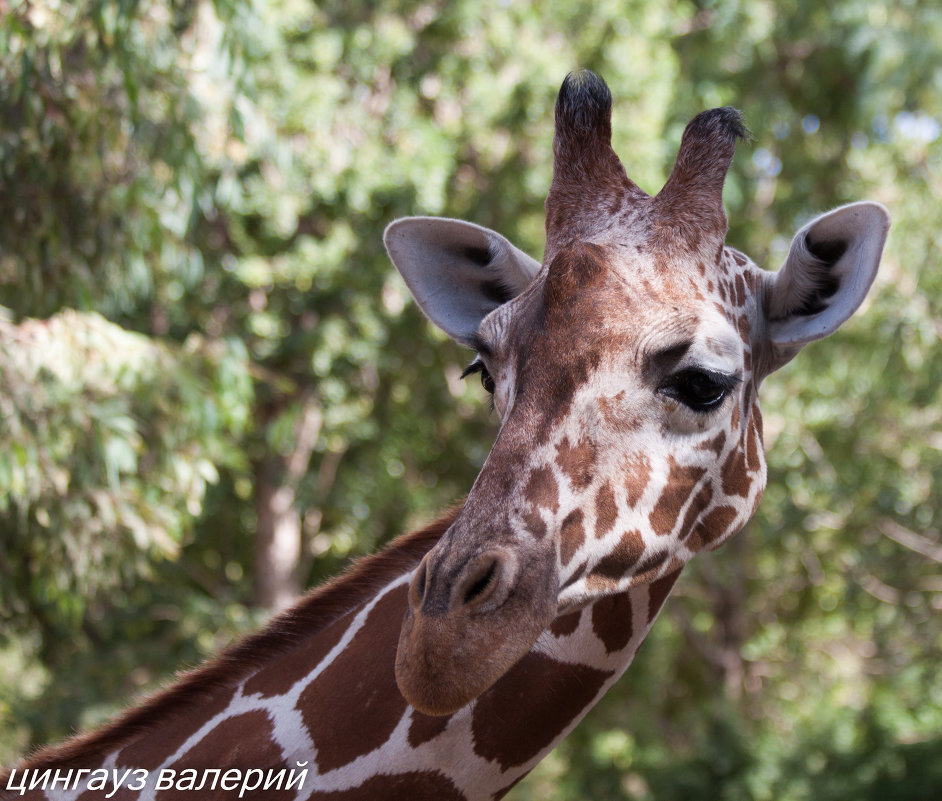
<point x="829" y="269"/>
<point x="458" y="272"/>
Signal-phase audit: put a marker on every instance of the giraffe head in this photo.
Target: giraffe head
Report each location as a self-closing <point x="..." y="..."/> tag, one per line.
<point x="625" y="372"/>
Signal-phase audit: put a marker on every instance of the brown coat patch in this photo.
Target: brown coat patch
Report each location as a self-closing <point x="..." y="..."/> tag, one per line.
<point x="745" y="328"/>
<point x="754" y="444"/>
<point x="623" y="557"/>
<point x="571" y="537"/>
<point x="565" y="625"/>
<point x="149" y="752"/>
<point x="353" y="706"/>
<point x="600" y="584"/>
<point x="736" y="479"/>
<point x="542" y="490"/>
<point x="606" y="512"/>
<point x="681" y="482"/>
<point x="577" y="462"/>
<point x="576" y="574"/>
<point x="227" y="747"/>
<point x="740" y="290"/>
<point x="278" y="677"/>
<point x="533" y="522"/>
<point x="530" y="706"/>
<point x="426" y="727"/>
<point x="611" y="621"/>
<point x="716" y="444"/>
<point x="660" y="589"/>
<point x="616" y="412"/>
<point x="424" y="785"/>
<point x="699" y="503"/>
<point x="695" y="292"/>
<point x="734" y="419"/>
<point x="637" y="472"/>
<point x="714" y="525"/>
<point x="650" y="566"/>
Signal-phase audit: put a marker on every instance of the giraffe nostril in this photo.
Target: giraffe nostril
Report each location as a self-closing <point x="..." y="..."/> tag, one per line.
<point x="418" y="585"/>
<point x="485" y="582"/>
<point x="481" y="583"/>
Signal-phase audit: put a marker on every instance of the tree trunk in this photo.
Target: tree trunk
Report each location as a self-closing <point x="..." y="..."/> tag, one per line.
<point x="277" y="540"/>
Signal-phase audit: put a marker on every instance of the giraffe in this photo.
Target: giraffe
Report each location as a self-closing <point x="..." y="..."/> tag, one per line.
<point x="624" y="370"/>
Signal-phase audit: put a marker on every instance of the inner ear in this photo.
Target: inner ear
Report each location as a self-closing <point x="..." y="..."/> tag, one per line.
<point x="458" y="272"/>
<point x="827" y="250"/>
<point x="478" y="255"/>
<point x="820" y="282"/>
<point x="829" y="269"/>
<point x="498" y="292"/>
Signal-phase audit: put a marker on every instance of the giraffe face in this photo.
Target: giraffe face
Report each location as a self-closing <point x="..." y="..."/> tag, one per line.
<point x="633" y="438"/>
<point x="624" y="371"/>
<point x="629" y="441"/>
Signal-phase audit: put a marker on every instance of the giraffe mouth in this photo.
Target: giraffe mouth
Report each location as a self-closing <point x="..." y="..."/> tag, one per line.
<point x="463" y="631"/>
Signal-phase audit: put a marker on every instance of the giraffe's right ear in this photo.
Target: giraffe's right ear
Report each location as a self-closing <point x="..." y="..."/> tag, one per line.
<point x="458" y="272"/>
<point x="826" y="276"/>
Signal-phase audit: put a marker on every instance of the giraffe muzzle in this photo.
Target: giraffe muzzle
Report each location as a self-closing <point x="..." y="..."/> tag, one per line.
<point x="467" y="622"/>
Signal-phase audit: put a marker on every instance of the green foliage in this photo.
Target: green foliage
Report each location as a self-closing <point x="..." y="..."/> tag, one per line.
<point x="97" y="156"/>
<point x="82" y="400"/>
<point x="193" y="201"/>
<point x="113" y="438"/>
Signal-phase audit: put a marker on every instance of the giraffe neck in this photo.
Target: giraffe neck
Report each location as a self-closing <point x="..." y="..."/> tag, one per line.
<point x="173" y="715"/>
<point x="316" y="691"/>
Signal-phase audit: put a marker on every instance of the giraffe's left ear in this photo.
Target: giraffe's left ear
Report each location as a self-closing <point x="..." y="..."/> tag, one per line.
<point x="457" y="271"/>
<point x="829" y="269"/>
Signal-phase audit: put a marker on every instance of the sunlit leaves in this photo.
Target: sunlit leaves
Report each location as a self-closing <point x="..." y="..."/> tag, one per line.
<point x="86" y="485"/>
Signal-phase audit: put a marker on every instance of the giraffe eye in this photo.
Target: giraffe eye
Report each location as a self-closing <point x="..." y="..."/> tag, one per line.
<point x="700" y="390"/>
<point x="486" y="381"/>
<point x="478" y="366"/>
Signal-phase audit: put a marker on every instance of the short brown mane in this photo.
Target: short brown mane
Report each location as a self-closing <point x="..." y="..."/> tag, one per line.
<point x="320" y="607"/>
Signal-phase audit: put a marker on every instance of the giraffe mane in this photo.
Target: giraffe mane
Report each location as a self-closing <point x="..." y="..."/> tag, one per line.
<point x="314" y="612"/>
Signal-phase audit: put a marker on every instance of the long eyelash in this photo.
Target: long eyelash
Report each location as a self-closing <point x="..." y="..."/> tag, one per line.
<point x="728" y="381"/>
<point x="477" y="366"/>
<point x="687" y="386"/>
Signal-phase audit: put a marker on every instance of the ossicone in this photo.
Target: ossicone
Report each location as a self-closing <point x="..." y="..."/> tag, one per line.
<point x="689" y="209"/>
<point x="583" y="107"/>
<point x="588" y="177"/>
<point x="706" y="150"/>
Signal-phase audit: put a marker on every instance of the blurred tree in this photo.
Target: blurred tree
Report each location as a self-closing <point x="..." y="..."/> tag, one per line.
<point x="214" y="388"/>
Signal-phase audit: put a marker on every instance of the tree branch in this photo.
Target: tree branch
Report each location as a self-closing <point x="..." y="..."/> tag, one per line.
<point x="910" y="539"/>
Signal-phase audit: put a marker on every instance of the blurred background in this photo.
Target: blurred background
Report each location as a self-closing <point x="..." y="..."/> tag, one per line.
<point x="215" y="391"/>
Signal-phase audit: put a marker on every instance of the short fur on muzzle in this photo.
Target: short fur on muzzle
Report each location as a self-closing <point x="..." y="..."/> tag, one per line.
<point x="466" y="628"/>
